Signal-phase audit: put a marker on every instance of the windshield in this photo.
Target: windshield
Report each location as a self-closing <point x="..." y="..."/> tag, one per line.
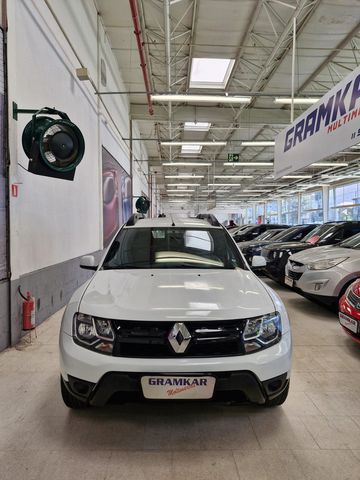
<point x="285" y="234"/>
<point x="235" y="231"/>
<point x="268" y="234"/>
<point x="320" y="233"/>
<point x="352" y="242"/>
<point x="173" y="248"/>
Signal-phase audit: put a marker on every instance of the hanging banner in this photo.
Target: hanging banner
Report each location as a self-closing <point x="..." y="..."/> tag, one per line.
<point x="327" y="127"/>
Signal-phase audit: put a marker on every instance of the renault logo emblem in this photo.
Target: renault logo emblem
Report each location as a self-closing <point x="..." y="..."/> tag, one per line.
<point x="179" y="337"/>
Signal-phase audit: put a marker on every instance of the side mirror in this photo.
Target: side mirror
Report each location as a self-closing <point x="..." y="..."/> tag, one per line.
<point x="258" y="261"/>
<point x="88" y="262"/>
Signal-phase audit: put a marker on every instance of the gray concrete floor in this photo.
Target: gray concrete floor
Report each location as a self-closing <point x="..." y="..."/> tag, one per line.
<point x="314" y="435"/>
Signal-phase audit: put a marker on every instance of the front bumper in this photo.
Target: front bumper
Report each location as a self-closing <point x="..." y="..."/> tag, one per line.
<point x="92" y="367"/>
<point x="230" y="386"/>
<point x="324" y="283"/>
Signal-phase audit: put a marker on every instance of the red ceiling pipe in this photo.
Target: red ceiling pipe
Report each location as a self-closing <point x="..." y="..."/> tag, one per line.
<point x="140" y="45"/>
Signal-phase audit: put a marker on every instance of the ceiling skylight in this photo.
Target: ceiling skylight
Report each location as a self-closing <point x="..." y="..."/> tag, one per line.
<point x="210" y="72"/>
<point x="191" y="149"/>
<point x="197" y="126"/>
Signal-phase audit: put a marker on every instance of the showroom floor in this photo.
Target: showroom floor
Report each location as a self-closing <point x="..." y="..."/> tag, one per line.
<point x="315" y="435"/>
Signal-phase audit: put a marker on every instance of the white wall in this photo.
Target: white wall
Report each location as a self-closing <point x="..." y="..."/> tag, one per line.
<point x="55" y="220"/>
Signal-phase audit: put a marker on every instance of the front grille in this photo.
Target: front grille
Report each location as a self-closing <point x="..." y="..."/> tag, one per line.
<point x="294" y="275"/>
<point x="150" y="339"/>
<point x="353" y="299"/>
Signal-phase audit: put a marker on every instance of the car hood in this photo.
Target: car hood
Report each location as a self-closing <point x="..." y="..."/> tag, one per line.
<point x="289" y="246"/>
<point x="177" y="295"/>
<point x="321" y="253"/>
<point x="251" y="244"/>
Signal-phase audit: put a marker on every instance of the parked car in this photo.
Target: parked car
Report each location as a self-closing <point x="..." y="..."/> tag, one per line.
<point x="325" y="272"/>
<point x="235" y="231"/>
<point x="296" y="233"/>
<point x="174" y="312"/>
<point x="349" y="311"/>
<point x="253" y="231"/>
<point x="329" y="233"/>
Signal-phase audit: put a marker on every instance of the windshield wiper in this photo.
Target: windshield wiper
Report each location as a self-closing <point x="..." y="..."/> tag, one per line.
<point x="127" y="265"/>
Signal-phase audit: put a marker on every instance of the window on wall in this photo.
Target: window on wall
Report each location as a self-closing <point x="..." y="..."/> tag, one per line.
<point x="344" y="202"/>
<point x="312" y="207"/>
<point x="271" y="215"/>
<point x="249" y="215"/>
<point x="259" y="212"/>
<point x="289" y="210"/>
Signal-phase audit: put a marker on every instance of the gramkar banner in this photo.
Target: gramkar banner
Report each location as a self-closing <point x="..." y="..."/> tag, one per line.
<point x="327" y="127"/>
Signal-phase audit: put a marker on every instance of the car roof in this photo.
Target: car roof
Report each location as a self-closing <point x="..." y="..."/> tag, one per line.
<point x="172" y="221"/>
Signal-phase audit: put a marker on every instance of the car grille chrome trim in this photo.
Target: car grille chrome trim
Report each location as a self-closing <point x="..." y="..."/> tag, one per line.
<point x="149" y="339"/>
<point x="353" y="299"/>
<point x="294" y="275"/>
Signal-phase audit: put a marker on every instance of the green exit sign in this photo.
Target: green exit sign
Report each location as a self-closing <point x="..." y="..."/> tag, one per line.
<point x="233" y="157"/>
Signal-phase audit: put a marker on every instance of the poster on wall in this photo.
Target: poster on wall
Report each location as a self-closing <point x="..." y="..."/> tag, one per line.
<point x="116" y="196"/>
<point x="326" y="128"/>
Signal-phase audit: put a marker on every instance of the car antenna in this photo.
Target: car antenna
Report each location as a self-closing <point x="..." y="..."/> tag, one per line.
<point x="172" y="220"/>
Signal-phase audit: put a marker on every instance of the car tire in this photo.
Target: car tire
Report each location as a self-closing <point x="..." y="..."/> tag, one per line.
<point x="280" y="399"/>
<point x="69" y="399"/>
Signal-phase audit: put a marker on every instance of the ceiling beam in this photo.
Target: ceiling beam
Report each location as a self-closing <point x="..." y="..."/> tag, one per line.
<point x="331" y="57"/>
<point x="244" y="40"/>
<point x="189" y="113"/>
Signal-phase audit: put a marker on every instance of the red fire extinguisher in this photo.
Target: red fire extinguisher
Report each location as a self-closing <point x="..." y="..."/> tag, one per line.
<point x="28" y="312"/>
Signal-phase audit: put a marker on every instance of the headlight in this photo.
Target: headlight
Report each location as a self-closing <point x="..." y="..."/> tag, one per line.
<point x="326" y="264"/>
<point x="262" y="332"/>
<point x="93" y="333"/>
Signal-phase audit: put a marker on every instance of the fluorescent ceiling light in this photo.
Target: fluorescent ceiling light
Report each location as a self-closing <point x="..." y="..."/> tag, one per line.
<point x="186" y="164"/>
<point x="197" y="126"/>
<point x="179" y="191"/>
<point x="193" y="144"/>
<point x="225" y="184"/>
<point x="258" y="143"/>
<point x="210" y="72"/>
<point x="249" y="164"/>
<point x="329" y="164"/>
<point x="297" y="101"/>
<point x="216" y="191"/>
<point x="233" y="176"/>
<point x="297" y="176"/>
<point x="184" y="176"/>
<point x="177" y="201"/>
<point x="183" y="185"/>
<point x="273" y="185"/>
<point x="199" y="98"/>
<point x="180" y="194"/>
<point x="255" y="190"/>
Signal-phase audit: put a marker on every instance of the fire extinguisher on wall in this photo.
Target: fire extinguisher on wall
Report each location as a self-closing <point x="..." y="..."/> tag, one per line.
<point x="28" y="311"/>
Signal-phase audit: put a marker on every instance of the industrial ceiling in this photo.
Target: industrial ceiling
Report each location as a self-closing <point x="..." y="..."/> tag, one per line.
<point x="256" y="37"/>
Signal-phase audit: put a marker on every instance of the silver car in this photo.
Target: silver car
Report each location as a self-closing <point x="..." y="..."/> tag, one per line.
<point x="325" y="272"/>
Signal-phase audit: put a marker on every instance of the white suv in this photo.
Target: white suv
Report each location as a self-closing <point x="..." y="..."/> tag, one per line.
<point x="174" y="312"/>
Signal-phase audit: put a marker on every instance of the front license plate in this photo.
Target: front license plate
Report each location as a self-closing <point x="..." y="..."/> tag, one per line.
<point x="348" y="322"/>
<point x="177" y="388"/>
<point x="289" y="281"/>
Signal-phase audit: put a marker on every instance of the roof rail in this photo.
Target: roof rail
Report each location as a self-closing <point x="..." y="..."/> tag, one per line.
<point x="210" y="218"/>
<point x="134" y="218"/>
